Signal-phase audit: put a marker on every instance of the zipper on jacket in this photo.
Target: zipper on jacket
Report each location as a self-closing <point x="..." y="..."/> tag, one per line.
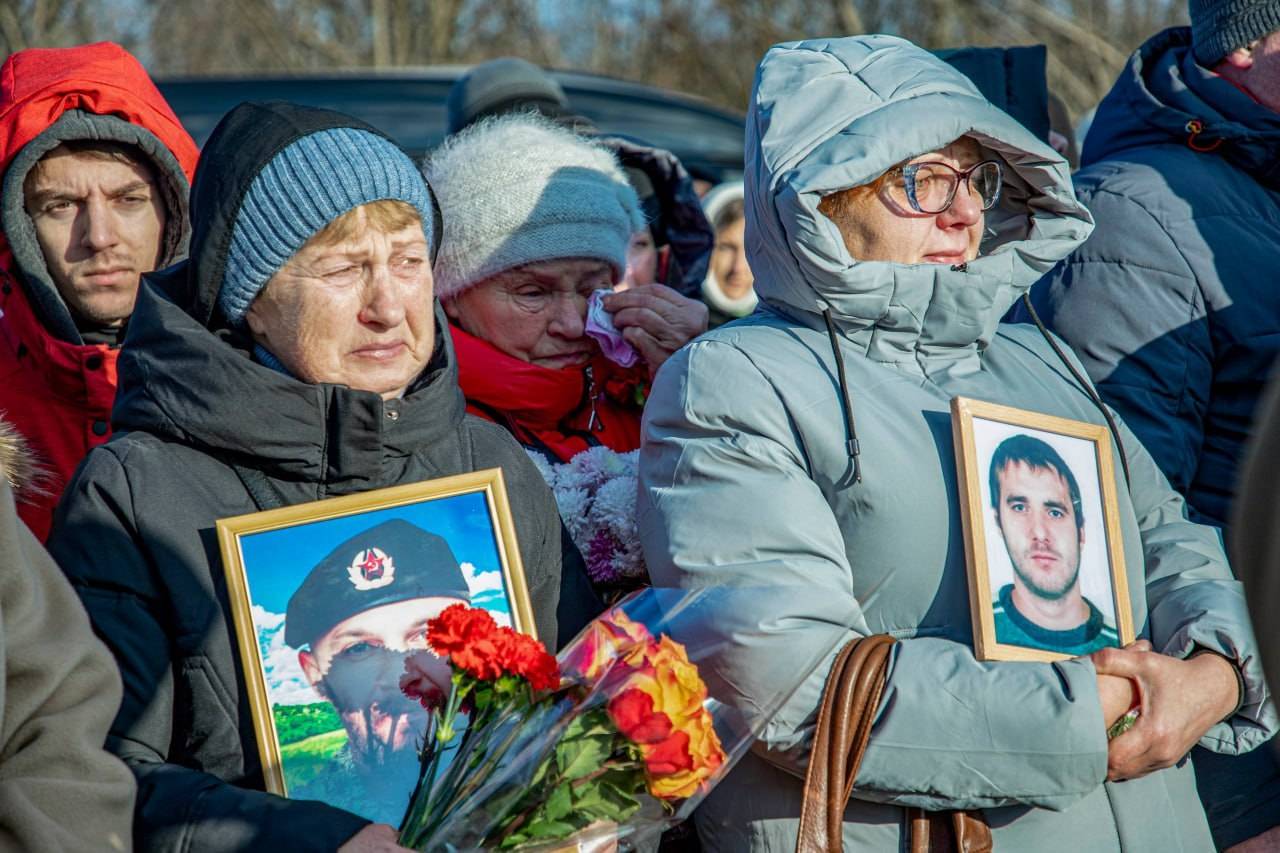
<point x="593" y="422"/>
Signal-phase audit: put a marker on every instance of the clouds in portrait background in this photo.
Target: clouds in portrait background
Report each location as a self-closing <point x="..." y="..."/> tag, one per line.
<point x="277" y="561"/>
<point x="1079" y="454"/>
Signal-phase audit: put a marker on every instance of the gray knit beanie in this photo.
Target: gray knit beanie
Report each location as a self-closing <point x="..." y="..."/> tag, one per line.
<point x="310" y="183"/>
<point x="517" y="189"/>
<point x="1220" y="26"/>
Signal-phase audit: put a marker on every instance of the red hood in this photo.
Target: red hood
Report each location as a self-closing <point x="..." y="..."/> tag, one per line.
<point x="38" y="85"/>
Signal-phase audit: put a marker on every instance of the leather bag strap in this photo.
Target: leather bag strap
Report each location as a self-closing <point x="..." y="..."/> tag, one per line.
<point x="849" y="703"/>
<point x="970" y="832"/>
<point x="947" y="832"/>
<point x="848" y="708"/>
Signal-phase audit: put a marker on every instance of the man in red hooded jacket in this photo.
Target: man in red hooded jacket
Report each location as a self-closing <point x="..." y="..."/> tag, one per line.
<point x="96" y="173"/>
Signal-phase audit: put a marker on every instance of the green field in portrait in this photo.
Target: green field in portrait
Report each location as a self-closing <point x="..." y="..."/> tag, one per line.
<point x="310" y="737"/>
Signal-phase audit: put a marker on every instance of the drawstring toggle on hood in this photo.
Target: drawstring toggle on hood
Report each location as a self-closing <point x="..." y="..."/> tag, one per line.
<point x="851" y="445"/>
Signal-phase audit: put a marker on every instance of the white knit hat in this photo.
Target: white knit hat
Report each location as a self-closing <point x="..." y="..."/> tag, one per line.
<point x="517" y="189"/>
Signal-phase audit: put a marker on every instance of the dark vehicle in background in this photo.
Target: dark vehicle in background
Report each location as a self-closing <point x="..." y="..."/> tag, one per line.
<point x="409" y="106"/>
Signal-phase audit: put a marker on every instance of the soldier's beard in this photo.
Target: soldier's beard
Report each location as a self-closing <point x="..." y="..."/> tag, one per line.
<point x="381" y="762"/>
<point x="383" y="725"/>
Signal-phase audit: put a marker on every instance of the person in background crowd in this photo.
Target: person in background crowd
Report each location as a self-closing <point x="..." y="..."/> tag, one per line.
<point x="893" y="214"/>
<point x="727" y="289"/>
<point x="674" y="242"/>
<point x="59" y="689"/>
<point x="298" y="355"/>
<point x="96" y="170"/>
<point x="1255" y="525"/>
<point x="536" y="220"/>
<point x="1168" y="304"/>
<point x="642" y="261"/>
<point x="502" y="86"/>
<point x="674" y="247"/>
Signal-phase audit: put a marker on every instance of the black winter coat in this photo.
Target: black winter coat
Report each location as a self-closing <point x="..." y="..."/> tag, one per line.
<point x="135" y="531"/>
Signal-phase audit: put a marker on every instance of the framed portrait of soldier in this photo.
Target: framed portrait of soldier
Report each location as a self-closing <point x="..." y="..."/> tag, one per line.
<point x="1042" y="536"/>
<point x="330" y="597"/>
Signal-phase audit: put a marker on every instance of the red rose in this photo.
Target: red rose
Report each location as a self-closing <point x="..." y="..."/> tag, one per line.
<point x="632" y="712"/>
<point x="669" y="757"/>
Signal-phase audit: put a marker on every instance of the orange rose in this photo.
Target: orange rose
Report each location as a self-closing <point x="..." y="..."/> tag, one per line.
<point x="662" y="670"/>
<point x="668" y="756"/>
<point x="707" y="756"/>
<point x="632" y="712"/>
<point x="678" y="689"/>
<point x="682" y="762"/>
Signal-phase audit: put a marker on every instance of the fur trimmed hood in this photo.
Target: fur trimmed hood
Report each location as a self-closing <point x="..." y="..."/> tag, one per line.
<point x="18" y="466"/>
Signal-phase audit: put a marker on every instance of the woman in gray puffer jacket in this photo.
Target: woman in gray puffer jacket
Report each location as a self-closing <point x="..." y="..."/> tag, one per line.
<point x="755" y="473"/>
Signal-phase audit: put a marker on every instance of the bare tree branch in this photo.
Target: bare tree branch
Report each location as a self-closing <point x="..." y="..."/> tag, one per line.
<point x="847" y="17"/>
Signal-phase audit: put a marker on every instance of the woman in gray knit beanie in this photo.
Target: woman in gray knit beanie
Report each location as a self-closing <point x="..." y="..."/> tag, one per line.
<point x="537" y="219"/>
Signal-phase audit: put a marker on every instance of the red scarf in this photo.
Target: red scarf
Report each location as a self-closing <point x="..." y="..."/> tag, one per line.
<point x="562" y="412"/>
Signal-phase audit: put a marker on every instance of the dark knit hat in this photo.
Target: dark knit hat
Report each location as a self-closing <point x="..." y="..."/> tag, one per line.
<point x="392" y="562"/>
<point x="1220" y="26"/>
<point x="306" y="186"/>
<point x="502" y="86"/>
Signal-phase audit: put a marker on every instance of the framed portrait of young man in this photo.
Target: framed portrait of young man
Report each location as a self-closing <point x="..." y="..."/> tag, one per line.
<point x="1042" y="534"/>
<point x="330" y="597"/>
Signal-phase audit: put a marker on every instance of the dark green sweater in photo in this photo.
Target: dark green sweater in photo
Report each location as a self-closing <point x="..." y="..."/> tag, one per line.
<point x="1015" y="629"/>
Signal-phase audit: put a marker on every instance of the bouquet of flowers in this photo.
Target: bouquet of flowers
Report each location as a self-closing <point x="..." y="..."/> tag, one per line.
<point x="617" y="739"/>
<point x="596" y="493"/>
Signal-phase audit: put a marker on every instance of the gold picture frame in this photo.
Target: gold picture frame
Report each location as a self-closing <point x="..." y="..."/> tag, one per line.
<point x="270" y="556"/>
<point x="1030" y="539"/>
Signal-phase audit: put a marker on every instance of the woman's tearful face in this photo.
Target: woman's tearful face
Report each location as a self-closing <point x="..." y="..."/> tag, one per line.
<point x="355" y="313"/>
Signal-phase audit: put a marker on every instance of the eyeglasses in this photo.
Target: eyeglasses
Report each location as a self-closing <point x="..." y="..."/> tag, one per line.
<point x="931" y="187"/>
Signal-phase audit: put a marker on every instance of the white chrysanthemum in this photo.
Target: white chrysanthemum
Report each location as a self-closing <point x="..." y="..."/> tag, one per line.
<point x="575" y="507"/>
<point x="550" y="473"/>
<point x="596" y="492"/>
<point x="615" y="507"/>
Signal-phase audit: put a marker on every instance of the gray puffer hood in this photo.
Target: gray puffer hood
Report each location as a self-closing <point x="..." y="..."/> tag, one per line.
<point x="829" y="114"/>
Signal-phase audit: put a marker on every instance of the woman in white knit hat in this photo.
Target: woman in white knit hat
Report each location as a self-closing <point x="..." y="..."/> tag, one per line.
<point x="536" y="220"/>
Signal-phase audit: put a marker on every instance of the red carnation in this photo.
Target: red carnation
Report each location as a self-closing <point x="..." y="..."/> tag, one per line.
<point x="480" y="659"/>
<point x="632" y="712"/>
<point x="523" y="656"/>
<point x="669" y="757"/>
<point x="466" y="635"/>
<point x="457" y="627"/>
